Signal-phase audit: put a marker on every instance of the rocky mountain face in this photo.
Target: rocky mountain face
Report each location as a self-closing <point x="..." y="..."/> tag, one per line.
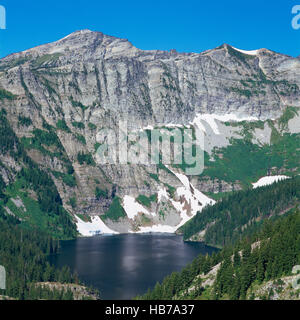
<point x="58" y="96"/>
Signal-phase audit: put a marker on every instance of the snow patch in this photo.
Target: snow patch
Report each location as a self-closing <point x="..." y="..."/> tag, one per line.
<point x="149" y="128"/>
<point x="97" y="226"/>
<point x="162" y="193"/>
<point x="133" y="208"/>
<point x="265" y="181"/>
<point x="183" y="179"/>
<point x="251" y="52"/>
<point x="159" y="228"/>
<point x="173" y="125"/>
<point x="162" y="126"/>
<point x="192" y="200"/>
<point x="210" y="119"/>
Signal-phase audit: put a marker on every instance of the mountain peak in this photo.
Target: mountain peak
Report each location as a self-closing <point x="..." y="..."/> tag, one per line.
<point x="78" y="32"/>
<point x="82" y="43"/>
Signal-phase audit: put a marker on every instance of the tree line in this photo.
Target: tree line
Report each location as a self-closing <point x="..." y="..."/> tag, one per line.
<point x="243" y="212"/>
<point x="24" y="254"/>
<point x="275" y="253"/>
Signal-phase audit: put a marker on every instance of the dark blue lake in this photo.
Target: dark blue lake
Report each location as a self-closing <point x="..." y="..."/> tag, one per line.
<point x="124" y="266"/>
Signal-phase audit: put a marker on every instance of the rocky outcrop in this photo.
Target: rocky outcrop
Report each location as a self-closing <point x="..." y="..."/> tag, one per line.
<point x="79" y="292"/>
<point x="89" y="81"/>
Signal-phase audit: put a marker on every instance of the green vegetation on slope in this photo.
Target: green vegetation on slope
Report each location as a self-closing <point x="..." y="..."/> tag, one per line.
<point x="80" y="138"/>
<point x="288" y="114"/>
<point x="85" y="158"/>
<point x="77" y="104"/>
<point x="146" y="201"/>
<point x="242" y="266"/>
<point x="47" y="142"/>
<point x="24" y="255"/>
<point x="115" y="211"/>
<point x="4" y="94"/>
<point x="78" y="125"/>
<point x="24" y="121"/>
<point x="248" y="127"/>
<point x="99" y="193"/>
<point x="61" y="125"/>
<point x="242" y="212"/>
<point x="246" y="162"/>
<point x="68" y="179"/>
<point x="45" y="60"/>
<point x="277" y="252"/>
<point x="46" y="205"/>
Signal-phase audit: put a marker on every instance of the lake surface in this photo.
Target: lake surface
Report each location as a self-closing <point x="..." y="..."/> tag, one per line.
<point x="123" y="266"/>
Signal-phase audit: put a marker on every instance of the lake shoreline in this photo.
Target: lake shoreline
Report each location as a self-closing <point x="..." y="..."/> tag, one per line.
<point x="125" y="265"/>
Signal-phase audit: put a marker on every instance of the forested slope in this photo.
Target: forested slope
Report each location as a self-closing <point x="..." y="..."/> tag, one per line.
<point x="32" y="197"/>
<point x="264" y="260"/>
<point x="23" y="253"/>
<point x="31" y="218"/>
<point x="242" y="213"/>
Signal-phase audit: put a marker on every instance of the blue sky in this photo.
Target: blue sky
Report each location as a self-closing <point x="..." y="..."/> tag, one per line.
<point x="186" y="25"/>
